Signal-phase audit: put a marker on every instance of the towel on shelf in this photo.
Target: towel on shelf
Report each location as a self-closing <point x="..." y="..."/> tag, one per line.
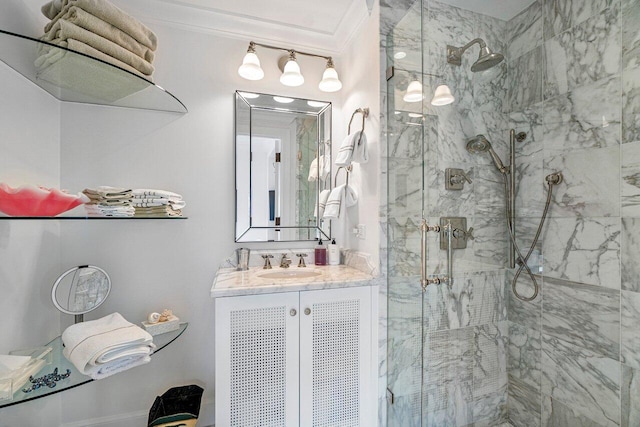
<point x="321" y="204"/>
<point x="110" y="211"/>
<point x="64" y="68"/>
<point x="64" y="30"/>
<point x="150" y="203"/>
<point x="69" y="70"/>
<point x="352" y="151"/>
<point x="95" y="25"/>
<point x="319" y="168"/>
<point x="106" y="192"/>
<point x="341" y="197"/>
<point x="107" y="12"/>
<point x="105" y="346"/>
<point x="150" y="192"/>
<point x="158" y="211"/>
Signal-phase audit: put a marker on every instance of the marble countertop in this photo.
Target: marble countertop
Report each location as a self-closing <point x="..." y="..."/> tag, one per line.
<point x="229" y="282"/>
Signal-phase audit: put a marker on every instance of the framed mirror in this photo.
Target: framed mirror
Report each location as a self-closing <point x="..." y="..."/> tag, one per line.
<point x="283" y="163"/>
<point x="80" y="290"/>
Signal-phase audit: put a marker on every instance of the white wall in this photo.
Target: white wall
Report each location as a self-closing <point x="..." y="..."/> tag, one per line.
<point x="153" y="264"/>
<point x="361" y="88"/>
<point x="29" y="250"/>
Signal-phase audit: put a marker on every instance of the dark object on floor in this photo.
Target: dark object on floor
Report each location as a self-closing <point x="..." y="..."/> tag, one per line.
<point x="175" y="406"/>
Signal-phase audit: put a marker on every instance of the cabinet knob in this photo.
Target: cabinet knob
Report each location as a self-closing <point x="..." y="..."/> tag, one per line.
<point x="293" y="312"/>
<point x="307" y="311"/>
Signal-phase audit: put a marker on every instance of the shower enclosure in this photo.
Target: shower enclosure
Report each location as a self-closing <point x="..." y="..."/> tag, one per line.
<point x="558" y="80"/>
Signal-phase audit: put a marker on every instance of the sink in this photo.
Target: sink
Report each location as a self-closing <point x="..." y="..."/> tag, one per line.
<point x="290" y="274"/>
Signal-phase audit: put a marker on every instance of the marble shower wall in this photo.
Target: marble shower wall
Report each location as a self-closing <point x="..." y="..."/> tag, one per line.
<point x="450" y="342"/>
<point x="574" y="87"/>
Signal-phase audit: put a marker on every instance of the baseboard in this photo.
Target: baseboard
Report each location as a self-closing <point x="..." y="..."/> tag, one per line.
<point x="137" y="419"/>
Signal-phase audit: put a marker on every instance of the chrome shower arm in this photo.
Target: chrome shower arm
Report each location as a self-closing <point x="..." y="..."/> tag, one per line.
<point x="454" y="54"/>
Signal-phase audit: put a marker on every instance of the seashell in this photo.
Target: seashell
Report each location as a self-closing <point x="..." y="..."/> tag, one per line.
<point x="166" y="314"/>
<point x="153" y="318"/>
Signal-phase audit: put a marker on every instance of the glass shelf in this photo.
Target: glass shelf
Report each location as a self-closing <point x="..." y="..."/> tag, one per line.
<point x="76" y="378"/>
<point x="75" y="77"/>
<point x="92" y="218"/>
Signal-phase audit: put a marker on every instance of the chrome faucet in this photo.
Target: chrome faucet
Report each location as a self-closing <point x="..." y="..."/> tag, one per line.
<point x="267" y="261"/>
<point x="301" y="262"/>
<point x="285" y="262"/>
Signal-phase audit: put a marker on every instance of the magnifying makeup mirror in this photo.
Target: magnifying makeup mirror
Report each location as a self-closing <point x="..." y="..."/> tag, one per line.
<point x="80" y="290"/>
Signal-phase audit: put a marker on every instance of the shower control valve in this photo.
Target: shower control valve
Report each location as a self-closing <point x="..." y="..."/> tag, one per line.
<point x="454" y="179"/>
<point x="461" y="234"/>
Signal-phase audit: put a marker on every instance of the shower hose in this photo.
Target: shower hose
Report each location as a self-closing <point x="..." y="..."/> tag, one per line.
<point x="551" y="179"/>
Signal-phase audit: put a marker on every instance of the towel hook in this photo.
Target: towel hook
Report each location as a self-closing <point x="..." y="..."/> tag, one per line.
<point x="365" y="114"/>
<point x="347" y="170"/>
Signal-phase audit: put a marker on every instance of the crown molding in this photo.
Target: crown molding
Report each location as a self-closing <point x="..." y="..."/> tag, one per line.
<point x="189" y="17"/>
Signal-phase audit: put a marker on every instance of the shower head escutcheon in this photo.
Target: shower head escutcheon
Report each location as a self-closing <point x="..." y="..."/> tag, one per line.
<point x="480" y="144"/>
<point x="486" y="59"/>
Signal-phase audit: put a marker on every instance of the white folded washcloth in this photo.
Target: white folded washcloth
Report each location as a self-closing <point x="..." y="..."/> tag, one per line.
<point x="321" y="204"/>
<point x="319" y="168"/>
<point x="341" y="197"/>
<point x="146" y="203"/>
<point x="352" y="151"/>
<point x="110" y="340"/>
<point x="105" y="192"/>
<point x="152" y="193"/>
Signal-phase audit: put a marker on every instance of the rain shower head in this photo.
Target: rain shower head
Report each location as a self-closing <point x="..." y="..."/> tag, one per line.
<point x="486" y="59"/>
<point x="480" y="144"/>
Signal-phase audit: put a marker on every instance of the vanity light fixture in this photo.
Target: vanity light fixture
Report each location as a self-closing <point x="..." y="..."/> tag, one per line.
<point x="291" y="75"/>
<point x="442" y="96"/>
<point x="414" y="92"/>
<point x="250" y="68"/>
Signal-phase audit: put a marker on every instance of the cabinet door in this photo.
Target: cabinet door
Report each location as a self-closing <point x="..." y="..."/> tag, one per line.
<point x="335" y="358"/>
<point x="257" y="360"/>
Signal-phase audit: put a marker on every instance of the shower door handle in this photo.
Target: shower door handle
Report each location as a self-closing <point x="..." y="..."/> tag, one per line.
<point x="424" y="251"/>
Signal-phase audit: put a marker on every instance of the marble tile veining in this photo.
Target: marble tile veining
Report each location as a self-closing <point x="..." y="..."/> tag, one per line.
<point x="524" y="354"/>
<point x="630" y="395"/>
<point x="557" y="17"/>
<point x="582" y="379"/>
<point x="524" y="404"/>
<point x="525" y="30"/>
<point x="584" y="315"/>
<point x="630" y="254"/>
<point x="630" y="182"/>
<point x="631" y="105"/>
<point x="490" y="358"/>
<point x="585" y="250"/>
<point x="556" y="414"/>
<point x="630" y="34"/>
<point x="583" y="193"/>
<point x="559" y="61"/>
<point x="525" y="80"/>
<point x="630" y="334"/>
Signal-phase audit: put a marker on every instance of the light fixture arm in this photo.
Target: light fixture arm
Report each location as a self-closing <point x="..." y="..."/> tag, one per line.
<point x="268" y="46"/>
<point x="454" y="54"/>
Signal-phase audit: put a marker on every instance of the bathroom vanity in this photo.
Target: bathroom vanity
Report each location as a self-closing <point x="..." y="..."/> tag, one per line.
<point x="295" y="346"/>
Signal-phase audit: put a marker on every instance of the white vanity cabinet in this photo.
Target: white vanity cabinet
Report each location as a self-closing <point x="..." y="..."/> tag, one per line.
<point x="295" y="359"/>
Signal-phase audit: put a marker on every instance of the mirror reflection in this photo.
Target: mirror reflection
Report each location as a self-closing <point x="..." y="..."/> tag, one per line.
<point x="81" y="289"/>
<point x="283" y="162"/>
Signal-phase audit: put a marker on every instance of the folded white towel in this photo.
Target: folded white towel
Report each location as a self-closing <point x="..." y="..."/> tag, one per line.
<point x="119" y="365"/>
<point x="319" y="168"/>
<point x="341" y="197"/>
<point x="150" y="192"/>
<point x="352" y="151"/>
<point x="321" y="204"/>
<point x="111" y="339"/>
<point x="148" y="203"/>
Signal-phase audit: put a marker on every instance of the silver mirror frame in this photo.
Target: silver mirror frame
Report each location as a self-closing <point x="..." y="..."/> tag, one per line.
<point x="78" y="314"/>
<point x="316" y="231"/>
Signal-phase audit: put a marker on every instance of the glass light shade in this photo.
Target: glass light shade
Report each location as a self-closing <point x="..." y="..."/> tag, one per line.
<point x="330" y="81"/>
<point x="250" y="68"/>
<point x="283" y="100"/>
<point x="414" y="92"/>
<point x="291" y="75"/>
<point x="442" y="96"/>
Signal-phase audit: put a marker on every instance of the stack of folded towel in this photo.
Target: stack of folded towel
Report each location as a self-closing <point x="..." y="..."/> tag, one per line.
<point x="157" y="203"/>
<point x="99" y="29"/>
<point x="353" y="149"/>
<point x="109" y="202"/>
<point x="103" y="347"/>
